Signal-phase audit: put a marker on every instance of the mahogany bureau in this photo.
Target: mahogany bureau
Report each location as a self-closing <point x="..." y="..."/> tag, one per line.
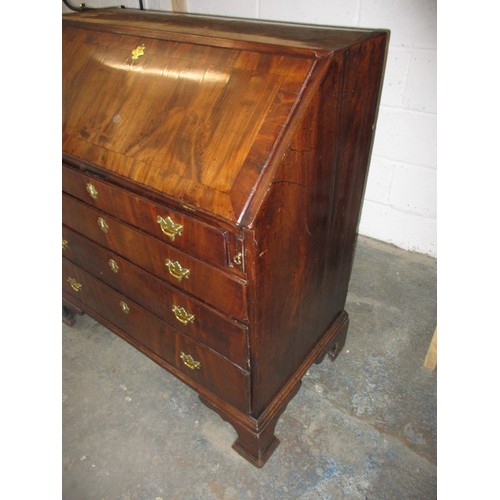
<point x="213" y="175"/>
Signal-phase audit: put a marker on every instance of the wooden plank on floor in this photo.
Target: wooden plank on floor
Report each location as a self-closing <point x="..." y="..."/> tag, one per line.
<point x="179" y="6"/>
<point x="430" y="360"/>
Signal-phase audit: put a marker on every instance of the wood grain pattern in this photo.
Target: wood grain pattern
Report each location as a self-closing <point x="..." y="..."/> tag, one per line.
<point x="159" y="297"/>
<point x="312" y="209"/>
<point x="186" y="141"/>
<point x="259" y="35"/>
<point x="225" y="291"/>
<point x="198" y="238"/>
<point x="217" y="374"/>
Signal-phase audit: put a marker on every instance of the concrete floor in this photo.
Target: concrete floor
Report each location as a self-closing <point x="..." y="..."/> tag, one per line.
<point x="361" y="427"/>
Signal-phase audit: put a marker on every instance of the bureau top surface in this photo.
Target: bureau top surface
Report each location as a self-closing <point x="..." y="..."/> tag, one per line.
<point x="165" y="24"/>
<point x="191" y="107"/>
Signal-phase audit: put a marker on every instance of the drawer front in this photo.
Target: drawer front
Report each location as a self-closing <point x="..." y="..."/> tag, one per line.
<point x="180" y="230"/>
<point x="198" y="365"/>
<point x="184" y="313"/>
<point x="206" y="282"/>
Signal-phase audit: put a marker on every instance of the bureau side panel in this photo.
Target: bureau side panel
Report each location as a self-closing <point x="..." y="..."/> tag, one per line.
<point x="304" y="235"/>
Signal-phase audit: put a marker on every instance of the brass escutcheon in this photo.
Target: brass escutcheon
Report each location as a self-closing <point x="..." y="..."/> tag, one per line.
<point x="176" y="270"/>
<point x="124" y="307"/>
<point x="65" y="244"/>
<point x="138" y="52"/>
<point x="190" y="362"/>
<point x="74" y="284"/>
<point x="103" y="225"/>
<point x="182" y="315"/>
<point x="92" y="190"/>
<point x="169" y="227"/>
<point x="113" y="265"/>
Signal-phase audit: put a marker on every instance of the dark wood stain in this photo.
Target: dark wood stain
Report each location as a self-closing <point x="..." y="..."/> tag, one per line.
<point x="256" y="138"/>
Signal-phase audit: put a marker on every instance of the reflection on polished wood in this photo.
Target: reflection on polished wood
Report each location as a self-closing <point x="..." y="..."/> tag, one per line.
<point x="186" y="120"/>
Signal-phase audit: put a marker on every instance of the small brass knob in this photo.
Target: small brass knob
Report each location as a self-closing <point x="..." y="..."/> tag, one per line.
<point x="65" y="244"/>
<point x="238" y="259"/>
<point x="91" y="189"/>
<point x="103" y="225"/>
<point x="113" y="265"/>
<point x="138" y="52"/>
<point x="124" y="307"/>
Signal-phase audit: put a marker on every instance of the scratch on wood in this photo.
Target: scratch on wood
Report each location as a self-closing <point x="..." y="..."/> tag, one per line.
<point x="302" y="150"/>
<point x="289" y="182"/>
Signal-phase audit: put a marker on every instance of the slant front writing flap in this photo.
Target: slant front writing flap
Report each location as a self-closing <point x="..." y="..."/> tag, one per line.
<point x="194" y="122"/>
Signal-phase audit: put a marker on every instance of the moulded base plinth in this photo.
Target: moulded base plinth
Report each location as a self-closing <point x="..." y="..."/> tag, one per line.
<point x="256" y="441"/>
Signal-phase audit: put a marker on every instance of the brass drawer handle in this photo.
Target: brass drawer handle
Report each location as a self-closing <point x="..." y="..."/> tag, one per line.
<point x="190" y="362"/>
<point x="103" y="225"/>
<point x="113" y="265"/>
<point x="74" y="284"/>
<point x="91" y="189"/>
<point x="169" y="227"/>
<point x="182" y="315"/>
<point x="65" y="244"/>
<point x="124" y="307"/>
<point x="176" y="270"/>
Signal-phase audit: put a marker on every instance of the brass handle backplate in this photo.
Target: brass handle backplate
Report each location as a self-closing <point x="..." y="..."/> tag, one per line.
<point x="190" y="362"/>
<point x="176" y="270"/>
<point x="169" y="227"/>
<point x="113" y="265"/>
<point x="103" y="225"/>
<point x="92" y="190"/>
<point x="124" y="307"/>
<point x="182" y="315"/>
<point x="74" y="284"/>
<point x="65" y="244"/>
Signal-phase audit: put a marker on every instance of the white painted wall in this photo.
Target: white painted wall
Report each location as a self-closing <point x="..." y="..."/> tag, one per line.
<point x="400" y="198"/>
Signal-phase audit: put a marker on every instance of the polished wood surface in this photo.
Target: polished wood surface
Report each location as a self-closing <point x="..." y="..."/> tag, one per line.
<point x="168" y="120"/>
<point x="215" y="373"/>
<point x="226" y="292"/>
<point x="258" y="34"/>
<point x="196" y="237"/>
<point x="312" y="209"/>
<point x="159" y="297"/>
<point x="255" y="137"/>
